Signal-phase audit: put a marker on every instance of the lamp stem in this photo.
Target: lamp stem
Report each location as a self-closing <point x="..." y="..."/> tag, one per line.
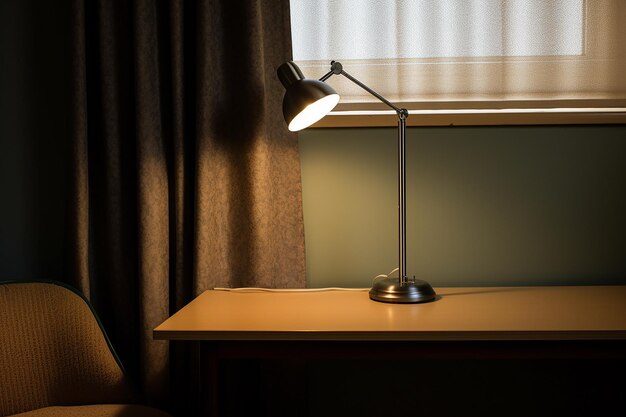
<point x="337" y="68"/>
<point x="402" y="198"/>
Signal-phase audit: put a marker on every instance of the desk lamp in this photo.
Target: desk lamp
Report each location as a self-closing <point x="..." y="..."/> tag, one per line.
<point x="306" y="101"/>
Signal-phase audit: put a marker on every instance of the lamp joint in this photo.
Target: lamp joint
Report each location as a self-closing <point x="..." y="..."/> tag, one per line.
<point x="336" y="67"/>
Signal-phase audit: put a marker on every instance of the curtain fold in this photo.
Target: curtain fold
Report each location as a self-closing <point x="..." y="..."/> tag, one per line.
<point x="184" y="174"/>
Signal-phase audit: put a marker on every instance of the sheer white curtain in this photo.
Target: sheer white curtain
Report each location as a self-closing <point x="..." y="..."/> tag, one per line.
<point x="438" y="54"/>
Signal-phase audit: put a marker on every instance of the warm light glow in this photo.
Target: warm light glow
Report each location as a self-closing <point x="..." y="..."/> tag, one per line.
<point x="313" y="112"/>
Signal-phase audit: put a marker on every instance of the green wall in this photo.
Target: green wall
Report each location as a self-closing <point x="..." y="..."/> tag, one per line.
<point x="540" y="205"/>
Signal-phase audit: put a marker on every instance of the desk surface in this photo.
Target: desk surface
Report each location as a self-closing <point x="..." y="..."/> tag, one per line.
<point x="477" y="313"/>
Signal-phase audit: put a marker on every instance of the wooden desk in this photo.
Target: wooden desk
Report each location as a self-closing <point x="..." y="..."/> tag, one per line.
<point x="505" y="313"/>
<point x="489" y="322"/>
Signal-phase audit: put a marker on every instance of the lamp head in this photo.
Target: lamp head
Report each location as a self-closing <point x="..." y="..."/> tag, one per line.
<point x="306" y="101"/>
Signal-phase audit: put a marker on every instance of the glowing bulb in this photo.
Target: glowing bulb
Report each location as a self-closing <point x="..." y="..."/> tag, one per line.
<point x="314" y="112"/>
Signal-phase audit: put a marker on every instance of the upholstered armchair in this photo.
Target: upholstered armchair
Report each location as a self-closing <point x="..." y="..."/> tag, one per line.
<point x="56" y="360"/>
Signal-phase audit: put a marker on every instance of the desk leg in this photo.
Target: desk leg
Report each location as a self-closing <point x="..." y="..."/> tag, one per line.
<point x="208" y="393"/>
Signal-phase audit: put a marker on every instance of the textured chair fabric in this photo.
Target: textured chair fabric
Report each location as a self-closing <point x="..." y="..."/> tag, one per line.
<point x="108" y="410"/>
<point x="53" y="352"/>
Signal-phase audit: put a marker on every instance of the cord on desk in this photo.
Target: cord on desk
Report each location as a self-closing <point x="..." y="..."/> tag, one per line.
<point x="259" y="289"/>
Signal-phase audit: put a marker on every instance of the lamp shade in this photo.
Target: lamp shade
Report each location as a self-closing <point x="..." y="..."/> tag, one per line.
<point x="306" y="101"/>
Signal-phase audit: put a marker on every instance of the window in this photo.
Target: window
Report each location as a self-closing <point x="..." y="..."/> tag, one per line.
<point x="469" y="61"/>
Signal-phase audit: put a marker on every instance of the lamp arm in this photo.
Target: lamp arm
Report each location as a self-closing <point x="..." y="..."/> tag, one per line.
<point x="337" y="68"/>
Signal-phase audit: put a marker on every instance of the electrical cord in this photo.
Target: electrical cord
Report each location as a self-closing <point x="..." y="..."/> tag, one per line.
<point x="291" y="290"/>
<point x="258" y="289"/>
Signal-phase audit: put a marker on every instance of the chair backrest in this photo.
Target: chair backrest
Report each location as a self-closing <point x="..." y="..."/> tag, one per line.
<point x="53" y="351"/>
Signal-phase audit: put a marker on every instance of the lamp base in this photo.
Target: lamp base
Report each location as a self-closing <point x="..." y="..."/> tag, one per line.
<point x="390" y="290"/>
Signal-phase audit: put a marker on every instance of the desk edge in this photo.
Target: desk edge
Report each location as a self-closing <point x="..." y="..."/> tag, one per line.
<point x="391" y="336"/>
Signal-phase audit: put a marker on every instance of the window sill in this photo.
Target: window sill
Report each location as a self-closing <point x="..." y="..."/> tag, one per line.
<point x="476" y="117"/>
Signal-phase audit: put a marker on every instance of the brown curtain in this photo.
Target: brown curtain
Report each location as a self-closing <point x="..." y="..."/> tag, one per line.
<point x="185" y="176"/>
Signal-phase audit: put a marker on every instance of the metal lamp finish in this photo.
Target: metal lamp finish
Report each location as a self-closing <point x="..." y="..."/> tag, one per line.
<point x="390" y="290"/>
<point x="300" y="94"/>
<point x="305" y="100"/>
